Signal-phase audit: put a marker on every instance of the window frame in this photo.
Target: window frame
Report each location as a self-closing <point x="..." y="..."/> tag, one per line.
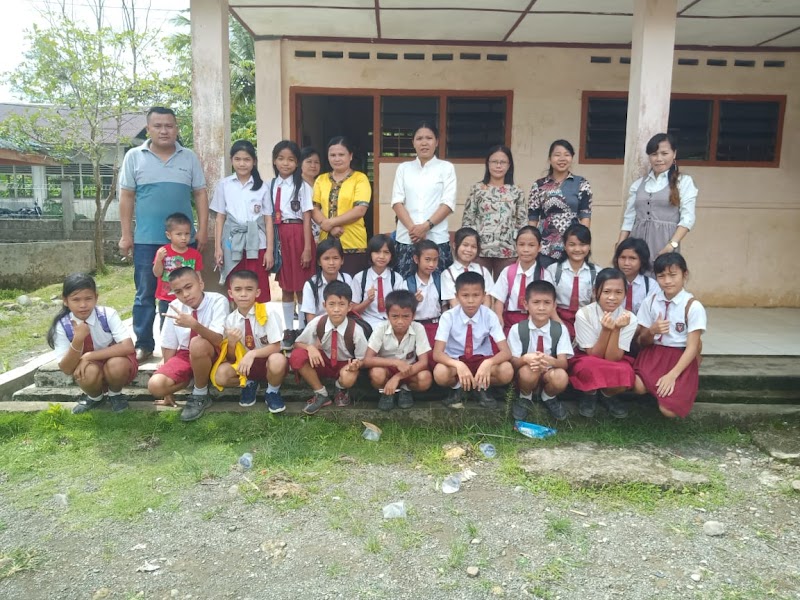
<point x="715" y="100"/>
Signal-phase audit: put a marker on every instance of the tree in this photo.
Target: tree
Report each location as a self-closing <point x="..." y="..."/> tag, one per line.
<point x="91" y="79"/>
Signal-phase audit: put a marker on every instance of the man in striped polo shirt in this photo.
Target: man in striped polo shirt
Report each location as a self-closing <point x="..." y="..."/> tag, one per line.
<point x="158" y="178"/>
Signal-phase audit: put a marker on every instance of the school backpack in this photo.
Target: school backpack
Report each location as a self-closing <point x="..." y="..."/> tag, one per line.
<point x="411" y="282"/>
<point x="511" y="273"/>
<point x="686" y="312"/>
<point x="560" y="270"/>
<point x="101" y="316"/>
<point x="364" y="283"/>
<point x="353" y="319"/>
<point x="525" y="335"/>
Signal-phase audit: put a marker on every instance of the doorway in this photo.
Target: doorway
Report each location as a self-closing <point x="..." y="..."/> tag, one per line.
<point x="321" y="117"/>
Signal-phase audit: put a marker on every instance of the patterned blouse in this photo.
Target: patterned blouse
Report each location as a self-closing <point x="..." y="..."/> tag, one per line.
<point x="556" y="206"/>
<point x="497" y="213"/>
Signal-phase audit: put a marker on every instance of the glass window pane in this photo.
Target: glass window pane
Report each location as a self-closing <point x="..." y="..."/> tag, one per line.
<point x="690" y="125"/>
<point x="605" y="128"/>
<point x="399" y="117"/>
<point x="474" y="125"/>
<point x="748" y="131"/>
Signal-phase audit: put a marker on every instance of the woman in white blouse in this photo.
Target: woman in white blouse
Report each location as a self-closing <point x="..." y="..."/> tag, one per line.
<point x="661" y="205"/>
<point x="423" y="197"/>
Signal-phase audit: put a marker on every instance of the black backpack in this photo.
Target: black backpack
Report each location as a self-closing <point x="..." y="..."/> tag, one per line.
<point x="525" y="335"/>
<point x="411" y="283"/>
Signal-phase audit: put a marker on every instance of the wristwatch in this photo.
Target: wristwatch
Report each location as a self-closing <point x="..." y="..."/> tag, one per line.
<point x="674" y="244"/>
<point x="430" y="223"/>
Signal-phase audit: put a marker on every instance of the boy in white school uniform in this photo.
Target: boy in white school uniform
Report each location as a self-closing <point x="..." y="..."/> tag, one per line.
<point x="189" y="341"/>
<point x="398" y="352"/>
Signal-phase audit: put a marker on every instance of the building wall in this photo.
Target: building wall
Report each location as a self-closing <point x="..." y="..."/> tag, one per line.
<point x="746" y="217"/>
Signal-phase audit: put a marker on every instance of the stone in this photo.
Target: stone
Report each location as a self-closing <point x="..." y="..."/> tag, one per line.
<point x="796" y="485"/>
<point x="101" y="594"/>
<point x="23" y="300"/>
<point x="780" y="444"/>
<point x="5" y="563"/>
<point x="13" y="307"/>
<point x="746" y="462"/>
<point x="233" y="490"/>
<point x="770" y="480"/>
<point x="590" y="465"/>
<point x="498" y="591"/>
<point x="61" y="500"/>
<point x="473" y="572"/>
<point x="475" y="541"/>
<point x="696" y="577"/>
<point x="713" y="528"/>
<point x="454" y="452"/>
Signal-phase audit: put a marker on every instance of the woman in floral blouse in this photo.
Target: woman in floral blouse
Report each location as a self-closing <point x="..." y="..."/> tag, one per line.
<point x="497" y="209"/>
<point x="559" y="200"/>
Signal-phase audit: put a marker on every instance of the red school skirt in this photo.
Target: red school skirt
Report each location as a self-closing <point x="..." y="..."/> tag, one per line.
<point x="655" y="361"/>
<point x="256" y="265"/>
<point x="292" y="277"/>
<point x="474" y="361"/>
<point x="567" y="317"/>
<point x="589" y="373"/>
<point x="133" y="368"/>
<point x="511" y="318"/>
<point x="430" y="332"/>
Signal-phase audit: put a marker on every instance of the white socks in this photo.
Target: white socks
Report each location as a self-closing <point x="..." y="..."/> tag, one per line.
<point x="288" y="314"/>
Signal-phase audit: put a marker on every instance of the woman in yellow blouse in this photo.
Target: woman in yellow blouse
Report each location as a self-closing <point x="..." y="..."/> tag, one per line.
<point x="341" y="199"/>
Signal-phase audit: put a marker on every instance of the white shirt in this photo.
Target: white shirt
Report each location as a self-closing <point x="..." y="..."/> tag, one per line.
<point x="640" y="291"/>
<point x="100" y="338"/>
<point x="453" y="331"/>
<point x="564" y="345"/>
<point x="286" y="186"/>
<point x="423" y="189"/>
<point x="430" y="307"/>
<point x="500" y="288"/>
<point x="653" y="184"/>
<point x="241" y="202"/>
<point x="210" y="314"/>
<point x="675" y="314"/>
<point x="371" y="314"/>
<point x="270" y="332"/>
<point x="564" y="287"/>
<point x="452" y="272"/>
<point x="588" y="327"/>
<point x="413" y="345"/>
<point x="317" y="308"/>
<point x="309" y="336"/>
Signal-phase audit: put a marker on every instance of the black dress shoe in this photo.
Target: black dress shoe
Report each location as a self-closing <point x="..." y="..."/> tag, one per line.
<point x="142" y="354"/>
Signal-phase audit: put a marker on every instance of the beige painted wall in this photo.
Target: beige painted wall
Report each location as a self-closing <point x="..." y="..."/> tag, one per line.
<point x="746" y="217"/>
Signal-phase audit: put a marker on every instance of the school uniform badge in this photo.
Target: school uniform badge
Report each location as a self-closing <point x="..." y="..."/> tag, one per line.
<point x="264" y="340"/>
<point x="680" y="327"/>
<point x="256" y="208"/>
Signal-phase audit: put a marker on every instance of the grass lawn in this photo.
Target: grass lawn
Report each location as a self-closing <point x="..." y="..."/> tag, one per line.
<point x="23" y="334"/>
<point x="119" y="466"/>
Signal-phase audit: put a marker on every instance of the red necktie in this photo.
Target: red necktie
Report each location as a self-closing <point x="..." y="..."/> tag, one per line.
<point x="468" y="350"/>
<point x="278" y="205"/>
<point x="249" y="340"/>
<point x="88" y="344"/>
<point x="666" y="310"/>
<point x="334" y="347"/>
<point x="629" y="298"/>
<point x="573" y="299"/>
<point x="521" y="295"/>
<point x="540" y="344"/>
<point x="381" y="305"/>
<point x="192" y="332"/>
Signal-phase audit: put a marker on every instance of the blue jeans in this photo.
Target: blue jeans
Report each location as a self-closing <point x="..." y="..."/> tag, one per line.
<point x="144" y="304"/>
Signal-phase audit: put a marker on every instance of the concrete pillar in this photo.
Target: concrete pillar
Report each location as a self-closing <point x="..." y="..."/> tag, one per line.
<point x="211" y="100"/>
<point x="650" y="82"/>
<point x="269" y="99"/>
<point x="67" y="206"/>
<point x="39" y="180"/>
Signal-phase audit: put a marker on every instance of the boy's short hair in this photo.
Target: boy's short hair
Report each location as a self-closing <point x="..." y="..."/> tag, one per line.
<point x="245" y="274"/>
<point x="338" y="288"/>
<point x="470" y="278"/>
<point x="176" y="219"/>
<point x="401" y="299"/>
<point x="667" y="260"/>
<point x="180" y="272"/>
<point x="540" y="287"/>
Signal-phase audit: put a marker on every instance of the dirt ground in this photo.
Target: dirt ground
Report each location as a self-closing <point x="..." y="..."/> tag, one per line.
<point x="496" y="537"/>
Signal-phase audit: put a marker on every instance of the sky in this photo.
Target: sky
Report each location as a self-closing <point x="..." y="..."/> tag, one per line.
<point x="20" y="15"/>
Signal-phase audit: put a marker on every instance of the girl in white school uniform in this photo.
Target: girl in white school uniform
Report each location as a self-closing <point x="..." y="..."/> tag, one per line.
<point x="632" y="257"/>
<point x="604" y="332"/>
<point x="670" y="325"/>
<point x="371" y="286"/>
<point x="467" y="243"/>
<point x="330" y="258"/>
<point x="92" y="345"/>
<point x="508" y="292"/>
<point x="573" y="275"/>
<point x="241" y="203"/>
<point x="291" y="206"/>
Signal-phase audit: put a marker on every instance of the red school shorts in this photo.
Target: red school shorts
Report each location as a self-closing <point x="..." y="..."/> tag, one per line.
<point x="178" y="368"/>
<point x="299" y="357"/>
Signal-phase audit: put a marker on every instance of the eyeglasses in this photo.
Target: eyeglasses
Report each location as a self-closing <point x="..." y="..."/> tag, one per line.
<point x="498" y="163"/>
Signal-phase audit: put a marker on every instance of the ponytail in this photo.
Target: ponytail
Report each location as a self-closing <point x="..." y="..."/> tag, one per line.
<point x="51" y="333"/>
<point x="257" y="181"/>
<point x="72" y="283"/>
<point x="674" y="192"/>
